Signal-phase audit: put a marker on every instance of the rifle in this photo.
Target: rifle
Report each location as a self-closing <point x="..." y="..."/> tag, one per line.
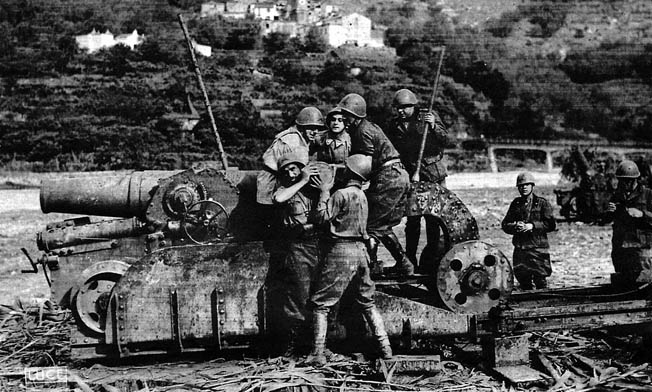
<point x="415" y="176"/>
<point x="207" y="102"/>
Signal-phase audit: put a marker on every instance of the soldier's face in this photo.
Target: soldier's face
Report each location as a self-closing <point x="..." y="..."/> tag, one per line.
<point x="291" y="172"/>
<point x="525" y="189"/>
<point x="627" y="184"/>
<point x="404" y="111"/>
<point x="311" y="133"/>
<point x="336" y="123"/>
<point x="349" y="120"/>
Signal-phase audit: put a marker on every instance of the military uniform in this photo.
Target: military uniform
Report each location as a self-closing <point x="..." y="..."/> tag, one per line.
<point x="336" y="148"/>
<point x="406" y="137"/>
<point x="387" y="193"/>
<point x="531" y="257"/>
<point x="345" y="264"/>
<point x="302" y="253"/>
<point x="632" y="237"/>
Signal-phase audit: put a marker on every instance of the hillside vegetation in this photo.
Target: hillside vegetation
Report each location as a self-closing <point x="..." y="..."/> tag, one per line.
<point x="544" y="69"/>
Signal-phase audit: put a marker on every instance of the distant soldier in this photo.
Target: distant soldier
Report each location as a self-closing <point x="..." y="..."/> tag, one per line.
<point x="337" y="142"/>
<point x="631" y="208"/>
<point x="345" y="263"/>
<point x="308" y="124"/>
<point x="529" y="219"/>
<point x="298" y="201"/>
<point x="406" y="134"/>
<point x="387" y="193"/>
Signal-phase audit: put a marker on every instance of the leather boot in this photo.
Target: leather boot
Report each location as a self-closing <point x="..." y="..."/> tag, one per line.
<point x="412" y="235"/>
<point x="375" y="321"/>
<point x="404" y="266"/>
<point x="375" y="267"/>
<point x="292" y="337"/>
<point x="319" y="326"/>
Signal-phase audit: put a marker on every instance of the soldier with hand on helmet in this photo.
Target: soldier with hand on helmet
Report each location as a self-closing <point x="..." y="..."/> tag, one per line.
<point x="298" y="201"/>
<point x="529" y="219"/>
<point x="406" y="133"/>
<point x="388" y="187"/>
<point x="309" y="123"/>
<point x="631" y="210"/>
<point x="345" y="261"/>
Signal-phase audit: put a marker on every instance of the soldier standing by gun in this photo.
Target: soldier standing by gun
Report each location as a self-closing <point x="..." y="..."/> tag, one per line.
<point x="529" y="219"/>
<point x="406" y="134"/>
<point x="631" y="208"/>
<point x="389" y="182"/>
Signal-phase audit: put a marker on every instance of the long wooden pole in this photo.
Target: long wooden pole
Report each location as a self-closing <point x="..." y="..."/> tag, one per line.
<point x="207" y="102"/>
<point x="422" y="148"/>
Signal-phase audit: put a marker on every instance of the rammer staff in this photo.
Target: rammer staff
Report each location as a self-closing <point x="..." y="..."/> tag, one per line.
<point x="207" y="102"/>
<point x="416" y="176"/>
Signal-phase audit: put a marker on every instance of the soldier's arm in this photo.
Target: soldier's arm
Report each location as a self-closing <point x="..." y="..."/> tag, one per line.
<point x="509" y="223"/>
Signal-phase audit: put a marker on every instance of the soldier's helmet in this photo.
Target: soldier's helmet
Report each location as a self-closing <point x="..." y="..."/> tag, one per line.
<point x="310" y="116"/>
<point x="359" y="164"/>
<point x="627" y="169"/>
<point x="524" y="178"/>
<point x="353" y="104"/>
<point x="404" y="97"/>
<point x="298" y="156"/>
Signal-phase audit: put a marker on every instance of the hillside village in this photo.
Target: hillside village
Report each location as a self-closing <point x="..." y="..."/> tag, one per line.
<point x="295" y="18"/>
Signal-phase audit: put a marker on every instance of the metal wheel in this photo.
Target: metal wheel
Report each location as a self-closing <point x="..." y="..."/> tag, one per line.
<point x="473" y="277"/>
<point x="205" y="222"/>
<point x="92" y="297"/>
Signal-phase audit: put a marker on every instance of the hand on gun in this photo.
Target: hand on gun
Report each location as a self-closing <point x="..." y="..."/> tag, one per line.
<point x="429" y="118"/>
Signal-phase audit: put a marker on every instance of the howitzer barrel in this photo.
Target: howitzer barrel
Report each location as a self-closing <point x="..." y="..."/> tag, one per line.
<point x="123" y="196"/>
<point x="77" y="234"/>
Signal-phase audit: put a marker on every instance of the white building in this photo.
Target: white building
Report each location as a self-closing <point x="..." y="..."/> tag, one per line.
<point x="265" y="11"/>
<point x="204" y="50"/>
<point x="94" y="41"/>
<point x="349" y="29"/>
<point x="227" y="9"/>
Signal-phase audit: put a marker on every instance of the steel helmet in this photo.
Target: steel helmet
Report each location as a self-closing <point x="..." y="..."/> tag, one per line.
<point x="299" y="156"/>
<point x="627" y="169"/>
<point x="310" y="116"/>
<point x="404" y="97"/>
<point x="353" y="104"/>
<point x="359" y="164"/>
<point x="524" y="178"/>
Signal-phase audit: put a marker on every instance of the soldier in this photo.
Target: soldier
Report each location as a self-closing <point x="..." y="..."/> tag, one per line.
<point x="296" y="138"/>
<point x="406" y="135"/>
<point x="387" y="193"/>
<point x="301" y="258"/>
<point x="337" y="143"/>
<point x="631" y="208"/>
<point x="345" y="258"/>
<point x="308" y="124"/>
<point x="529" y="219"/>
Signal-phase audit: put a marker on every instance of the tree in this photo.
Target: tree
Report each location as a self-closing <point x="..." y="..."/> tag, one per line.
<point x="314" y="42"/>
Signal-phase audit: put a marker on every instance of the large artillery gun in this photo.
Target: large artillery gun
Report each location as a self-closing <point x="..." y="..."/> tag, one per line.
<point x="184" y="268"/>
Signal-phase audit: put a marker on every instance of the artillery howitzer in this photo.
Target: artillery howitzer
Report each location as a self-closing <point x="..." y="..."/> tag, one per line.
<point x="185" y="269"/>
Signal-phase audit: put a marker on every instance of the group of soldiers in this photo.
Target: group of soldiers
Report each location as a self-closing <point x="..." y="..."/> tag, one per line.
<point x="530" y="218"/>
<point x="328" y="229"/>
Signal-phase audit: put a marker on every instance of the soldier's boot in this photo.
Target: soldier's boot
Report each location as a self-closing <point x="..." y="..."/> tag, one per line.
<point x="317" y="357"/>
<point x="540" y="282"/>
<point x="524" y="280"/>
<point x="375" y="321"/>
<point x="412" y="235"/>
<point x="292" y="341"/>
<point x="376" y="267"/>
<point x="404" y="266"/>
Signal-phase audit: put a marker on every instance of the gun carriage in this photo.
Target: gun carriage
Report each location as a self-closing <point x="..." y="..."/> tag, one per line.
<point x="184" y="268"/>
